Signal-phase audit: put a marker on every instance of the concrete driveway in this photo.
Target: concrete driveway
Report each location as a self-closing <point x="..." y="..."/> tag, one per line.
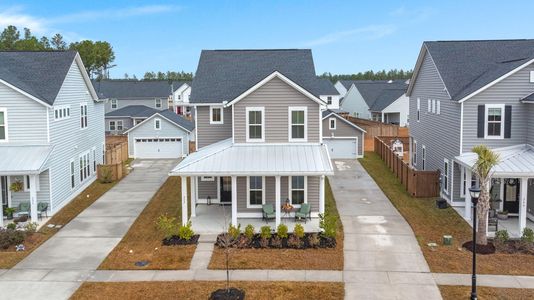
<point x="56" y="269"/>
<point x="382" y="257"/>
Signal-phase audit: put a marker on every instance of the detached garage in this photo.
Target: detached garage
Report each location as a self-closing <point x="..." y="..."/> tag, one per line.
<point x="343" y="139"/>
<point x="162" y="135"/>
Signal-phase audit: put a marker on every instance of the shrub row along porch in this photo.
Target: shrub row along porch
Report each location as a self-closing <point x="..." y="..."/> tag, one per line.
<point x="248" y="176"/>
<point x="420" y="184"/>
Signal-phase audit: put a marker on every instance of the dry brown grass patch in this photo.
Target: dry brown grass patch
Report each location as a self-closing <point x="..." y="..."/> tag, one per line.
<point x="453" y="292"/>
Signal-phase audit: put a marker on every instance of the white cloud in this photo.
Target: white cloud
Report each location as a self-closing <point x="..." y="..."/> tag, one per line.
<point x="415" y="15"/>
<point x="14" y="16"/>
<point x="371" y="32"/>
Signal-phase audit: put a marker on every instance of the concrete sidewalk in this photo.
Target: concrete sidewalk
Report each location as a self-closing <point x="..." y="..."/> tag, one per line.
<point x="382" y="257"/>
<point x="72" y="255"/>
<point x="498" y="281"/>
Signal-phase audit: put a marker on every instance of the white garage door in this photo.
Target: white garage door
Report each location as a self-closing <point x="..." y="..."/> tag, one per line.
<point x="158" y="148"/>
<point x="342" y="148"/>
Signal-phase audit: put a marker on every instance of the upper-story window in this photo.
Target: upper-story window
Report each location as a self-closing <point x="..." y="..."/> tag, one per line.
<point x="3" y="124"/>
<point x="297" y="118"/>
<point x="83" y="115"/>
<point x="332" y="123"/>
<point x="114" y="103"/>
<point x="329" y="100"/>
<point x="116" y="125"/>
<point x="418" y="109"/>
<point x="216" y="115"/>
<point x="494" y="121"/>
<point x="61" y="112"/>
<point x="157" y="124"/>
<point x="255" y="124"/>
<point x="158" y="103"/>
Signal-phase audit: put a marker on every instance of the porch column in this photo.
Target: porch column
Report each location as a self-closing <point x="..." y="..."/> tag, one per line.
<point x="321" y="194"/>
<point x="234" y="200"/>
<point x="277" y="200"/>
<point x="184" y="201"/>
<point x="33" y="197"/>
<point x="193" y="196"/>
<point x="468" y="174"/>
<point x="523" y="205"/>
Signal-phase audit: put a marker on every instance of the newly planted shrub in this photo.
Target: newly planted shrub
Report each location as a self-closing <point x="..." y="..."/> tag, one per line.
<point x="294" y="241"/>
<point x="328" y="223"/>
<point x="234" y="231"/>
<point x="313" y="240"/>
<point x="249" y="232"/>
<point x="265" y="232"/>
<point x="264" y="243"/>
<point x="500" y="239"/>
<point x="31" y="227"/>
<point x="11" y="226"/>
<point x="167" y="225"/>
<point x="276" y="242"/>
<point x="186" y="232"/>
<point x="281" y="231"/>
<point x="528" y="235"/>
<point x="9" y="237"/>
<point x="298" y="231"/>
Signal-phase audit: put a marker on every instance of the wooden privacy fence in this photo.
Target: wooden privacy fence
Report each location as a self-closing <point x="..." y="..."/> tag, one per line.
<point x="419" y="184"/>
<point x="111" y="172"/>
<point x="375" y="129"/>
<point x="116" y="150"/>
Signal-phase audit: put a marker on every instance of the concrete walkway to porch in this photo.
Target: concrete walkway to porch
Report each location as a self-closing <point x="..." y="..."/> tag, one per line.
<point x="498" y="281"/>
<point x="382" y="257"/>
<point x="57" y="268"/>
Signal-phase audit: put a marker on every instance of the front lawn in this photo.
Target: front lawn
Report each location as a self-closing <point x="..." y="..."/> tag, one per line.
<point x="142" y="242"/>
<point x="430" y="224"/>
<point x="9" y="257"/>
<point x="202" y="289"/>
<point x="453" y="292"/>
<point x="289" y="259"/>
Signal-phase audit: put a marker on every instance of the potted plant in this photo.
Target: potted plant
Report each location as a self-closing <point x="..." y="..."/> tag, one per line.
<point x="16" y="186"/>
<point x="9" y="211"/>
<point x="502" y="214"/>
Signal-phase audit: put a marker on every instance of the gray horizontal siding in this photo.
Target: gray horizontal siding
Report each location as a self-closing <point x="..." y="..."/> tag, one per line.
<point x="168" y="129"/>
<point x="342" y="130"/>
<point x="150" y="102"/>
<point x="207" y="133"/>
<point x="43" y="195"/>
<point x="127" y="123"/>
<point x="207" y="188"/>
<point x="530" y="135"/>
<point x="276" y="97"/>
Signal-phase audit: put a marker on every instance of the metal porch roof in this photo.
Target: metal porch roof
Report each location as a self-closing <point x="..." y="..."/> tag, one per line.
<point x="23" y="159"/>
<point x="515" y="161"/>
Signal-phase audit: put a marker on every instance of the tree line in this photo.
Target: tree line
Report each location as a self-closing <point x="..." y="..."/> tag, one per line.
<point x="370" y="75"/>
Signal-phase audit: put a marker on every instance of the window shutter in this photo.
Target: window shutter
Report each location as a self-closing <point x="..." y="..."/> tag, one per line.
<point x="481" y="120"/>
<point x="507" y="121"/>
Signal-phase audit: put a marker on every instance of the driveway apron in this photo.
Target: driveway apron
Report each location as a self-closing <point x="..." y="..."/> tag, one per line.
<point x="382" y="257"/>
<point x="56" y="269"/>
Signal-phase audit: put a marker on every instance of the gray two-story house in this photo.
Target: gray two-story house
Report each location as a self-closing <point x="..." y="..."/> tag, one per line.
<point x="259" y="134"/>
<point x="467" y="93"/>
<point x="51" y="130"/>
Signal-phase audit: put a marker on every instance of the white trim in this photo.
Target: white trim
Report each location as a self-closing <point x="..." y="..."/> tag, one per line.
<point x="255" y="140"/>
<point x="48" y="126"/>
<point x="196" y="130"/>
<point x="461" y="128"/>
<point x="429" y="104"/>
<point x="414" y="152"/>
<point x="24" y="93"/>
<point x="84" y="118"/>
<point x="446" y="174"/>
<point x="135" y="140"/>
<point x="72" y="173"/>
<point x="207" y="178"/>
<point x="114" y="122"/>
<point x="26" y="182"/>
<point x="496" y="81"/>
<point x="6" y="140"/>
<point x="248" y="192"/>
<point x="330" y="123"/>
<point x="162" y="117"/>
<point x="290" y="190"/>
<point x="211" y="115"/>
<point x="531" y="80"/>
<point x="156" y="103"/>
<point x="114" y="102"/>
<point x="256" y="215"/>
<point x="157" y="124"/>
<point x="291" y="109"/>
<point x="86" y="79"/>
<point x="438" y="107"/>
<point x="82" y="156"/>
<point x="486" y="122"/>
<point x="233" y="125"/>
<point x="283" y="78"/>
<point x="344" y="120"/>
<point x="423" y="157"/>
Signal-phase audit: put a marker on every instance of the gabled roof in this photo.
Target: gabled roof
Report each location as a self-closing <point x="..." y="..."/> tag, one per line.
<point x="132" y="89"/>
<point x="169" y="116"/>
<point x="326" y="87"/>
<point x="328" y="112"/>
<point x="514" y="161"/>
<point x="38" y="73"/>
<point x="133" y="111"/>
<point x="528" y="98"/>
<point x="348" y="83"/>
<point x="223" y="75"/>
<point x="468" y="66"/>
<point x="387" y="97"/>
<point x="385" y="90"/>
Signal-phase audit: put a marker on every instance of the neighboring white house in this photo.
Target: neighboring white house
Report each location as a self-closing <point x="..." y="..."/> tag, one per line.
<point x="51" y="130"/>
<point x="180" y="99"/>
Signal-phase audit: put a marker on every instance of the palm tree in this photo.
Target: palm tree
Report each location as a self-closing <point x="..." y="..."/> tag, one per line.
<point x="487" y="159"/>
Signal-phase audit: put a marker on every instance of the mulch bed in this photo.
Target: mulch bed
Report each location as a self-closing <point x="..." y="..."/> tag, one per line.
<point x="177" y="241"/>
<point x="231" y="294"/>
<point x="256" y="242"/>
<point x="509" y="247"/>
<point x="481" y="249"/>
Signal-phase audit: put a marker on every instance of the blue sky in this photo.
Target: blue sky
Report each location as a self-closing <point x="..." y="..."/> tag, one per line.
<point x="345" y="36"/>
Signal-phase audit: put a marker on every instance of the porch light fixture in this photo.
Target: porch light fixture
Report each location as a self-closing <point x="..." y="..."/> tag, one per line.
<point x="475" y="194"/>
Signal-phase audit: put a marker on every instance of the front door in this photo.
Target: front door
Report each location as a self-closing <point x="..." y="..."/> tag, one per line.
<point x="4" y="193"/>
<point x="511" y="195"/>
<point x="226" y="190"/>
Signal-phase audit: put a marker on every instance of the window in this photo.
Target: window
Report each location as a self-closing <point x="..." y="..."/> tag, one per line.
<point x="445" y="176"/>
<point x="94" y="160"/>
<point x="332" y="123"/>
<point x="429" y="105"/>
<point x="423" y="158"/>
<point x="83" y="115"/>
<point x="255" y="124"/>
<point x="216" y="115"/>
<point x="438" y="107"/>
<point x="112" y="126"/>
<point x="72" y="174"/>
<point x="114" y="103"/>
<point x="3" y="124"/>
<point x="465" y="188"/>
<point x="433" y="106"/>
<point x="298" y="190"/>
<point x="531" y="76"/>
<point x="418" y="109"/>
<point x="414" y="153"/>
<point x="119" y="125"/>
<point x="329" y="100"/>
<point x="494" y="121"/>
<point x="158" y="103"/>
<point x="157" y="124"/>
<point x="27" y="184"/>
<point x="207" y="178"/>
<point x="85" y="167"/>
<point x="255" y="186"/>
<point x="137" y="121"/>
<point x="61" y="112"/>
<point x="298" y="123"/>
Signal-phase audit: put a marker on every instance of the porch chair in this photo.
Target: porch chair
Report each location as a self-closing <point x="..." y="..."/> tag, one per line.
<point x="42" y="208"/>
<point x="303" y="213"/>
<point x="23" y="209"/>
<point x="268" y="212"/>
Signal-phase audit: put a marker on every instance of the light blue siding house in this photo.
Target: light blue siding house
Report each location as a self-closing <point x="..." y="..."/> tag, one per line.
<point x="51" y="129"/>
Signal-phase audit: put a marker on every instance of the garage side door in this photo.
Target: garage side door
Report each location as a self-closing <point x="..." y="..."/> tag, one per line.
<point x="158" y="148"/>
<point x="342" y="148"/>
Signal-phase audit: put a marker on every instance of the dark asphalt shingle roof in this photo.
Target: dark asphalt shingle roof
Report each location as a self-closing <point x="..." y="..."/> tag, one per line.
<point x="179" y="120"/>
<point x="467" y="66"/>
<point x="326" y="87"/>
<point x="348" y="83"/>
<point x="38" y="73"/>
<point x="133" y="111"/>
<point x="381" y="90"/>
<point x="387" y="97"/>
<point x="131" y="89"/>
<point x="223" y="75"/>
<point x="529" y="97"/>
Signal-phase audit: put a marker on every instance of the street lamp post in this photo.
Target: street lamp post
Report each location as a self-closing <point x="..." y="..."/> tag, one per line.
<point x="475" y="194"/>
